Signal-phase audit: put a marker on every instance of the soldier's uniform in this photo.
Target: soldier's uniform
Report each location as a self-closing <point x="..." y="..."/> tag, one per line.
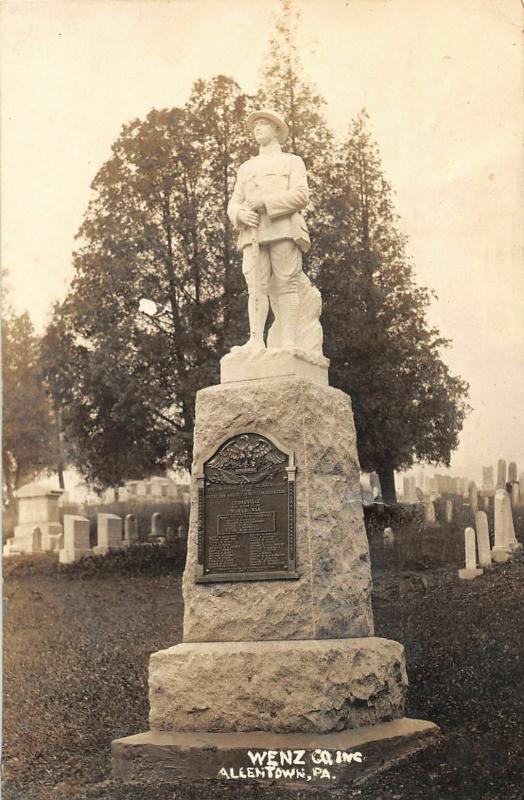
<point x="278" y="181"/>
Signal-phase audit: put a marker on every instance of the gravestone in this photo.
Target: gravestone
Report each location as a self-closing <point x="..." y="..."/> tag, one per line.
<point x="109" y="534"/>
<point x="508" y="524"/>
<point x="485" y="502"/>
<point x="278" y="651"/>
<point x="37" y="507"/>
<point x="429" y="511"/>
<point x="405" y="489"/>
<point x="484" y="546"/>
<point x="130" y="529"/>
<point x="515" y="495"/>
<point x="501" y="474"/>
<point x="376" y="490"/>
<point x="512" y="472"/>
<point x="388" y="537"/>
<point x="449" y="511"/>
<point x="487" y="478"/>
<point x="10" y="549"/>
<point x="157" y="524"/>
<point x="473" y="497"/>
<point x="181" y="531"/>
<point x="501" y="548"/>
<point x="470" y="571"/>
<point x="76" y="539"/>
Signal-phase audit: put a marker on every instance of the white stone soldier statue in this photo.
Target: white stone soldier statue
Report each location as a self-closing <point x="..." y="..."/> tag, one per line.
<point x="270" y="192"/>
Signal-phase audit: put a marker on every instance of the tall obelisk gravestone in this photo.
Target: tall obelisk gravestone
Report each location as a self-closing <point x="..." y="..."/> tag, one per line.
<point x="279" y="677"/>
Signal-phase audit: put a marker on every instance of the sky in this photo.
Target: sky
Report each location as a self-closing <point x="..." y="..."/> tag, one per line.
<point x="442" y="81"/>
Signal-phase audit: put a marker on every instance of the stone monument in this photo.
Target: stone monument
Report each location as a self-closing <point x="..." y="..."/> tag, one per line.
<point x="279" y="676"/>
<point x="37" y="507"/>
<point x="76" y="539"/>
<point x="109" y="534"/>
<point x="471" y="571"/>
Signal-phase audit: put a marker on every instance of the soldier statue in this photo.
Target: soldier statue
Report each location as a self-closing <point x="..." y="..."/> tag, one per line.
<point x="270" y="192"/>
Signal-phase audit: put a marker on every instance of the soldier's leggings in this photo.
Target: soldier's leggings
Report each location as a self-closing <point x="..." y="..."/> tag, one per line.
<point x="279" y="263"/>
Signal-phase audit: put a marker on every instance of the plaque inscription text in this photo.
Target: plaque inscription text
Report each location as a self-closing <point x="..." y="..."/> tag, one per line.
<point x="246" y="513"/>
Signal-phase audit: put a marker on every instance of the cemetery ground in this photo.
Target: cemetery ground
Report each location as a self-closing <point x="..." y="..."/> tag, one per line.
<point x="77" y="641"/>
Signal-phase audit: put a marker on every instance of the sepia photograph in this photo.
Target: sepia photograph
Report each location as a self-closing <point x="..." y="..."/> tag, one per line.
<point x="262" y="398"/>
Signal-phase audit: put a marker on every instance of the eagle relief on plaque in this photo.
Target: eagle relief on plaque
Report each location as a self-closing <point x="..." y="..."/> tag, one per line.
<point x="246" y="512"/>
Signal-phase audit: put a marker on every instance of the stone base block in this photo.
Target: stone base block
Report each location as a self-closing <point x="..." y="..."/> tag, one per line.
<point x="500" y="555"/>
<point x="331" y="599"/>
<point x="68" y="556"/>
<point x="51" y="537"/>
<point x="280" y="686"/>
<point x="10" y="549"/>
<point x="103" y="550"/>
<point x="469" y="574"/>
<point x="245" y="365"/>
<point x="297" y="760"/>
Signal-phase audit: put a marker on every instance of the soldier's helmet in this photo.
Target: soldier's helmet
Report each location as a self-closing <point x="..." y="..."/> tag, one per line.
<point x="274" y="117"/>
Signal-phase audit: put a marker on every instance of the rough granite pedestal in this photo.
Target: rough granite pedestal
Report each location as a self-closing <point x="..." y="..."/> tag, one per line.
<point x="279" y="681"/>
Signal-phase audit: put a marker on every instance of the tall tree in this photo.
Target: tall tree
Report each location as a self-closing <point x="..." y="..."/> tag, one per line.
<point x="284" y="87"/>
<point x="156" y="227"/>
<point x="29" y="433"/>
<point x="406" y="403"/>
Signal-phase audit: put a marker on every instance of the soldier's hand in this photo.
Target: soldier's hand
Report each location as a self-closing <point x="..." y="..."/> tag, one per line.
<point x="248" y="217"/>
<point x="257" y="203"/>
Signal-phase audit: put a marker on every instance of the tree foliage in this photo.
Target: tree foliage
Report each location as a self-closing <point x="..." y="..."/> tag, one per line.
<point x="157" y="227"/>
<point x="29" y="431"/>
<point x="406" y="403"/>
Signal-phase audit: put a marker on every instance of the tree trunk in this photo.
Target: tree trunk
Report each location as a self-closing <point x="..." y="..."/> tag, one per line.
<point x="387" y="485"/>
<point x="60" y="447"/>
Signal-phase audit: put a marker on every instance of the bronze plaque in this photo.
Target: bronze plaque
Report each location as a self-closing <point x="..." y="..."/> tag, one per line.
<point x="246" y="512"/>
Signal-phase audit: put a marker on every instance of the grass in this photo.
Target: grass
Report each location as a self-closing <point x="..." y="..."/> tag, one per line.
<point x="78" y="639"/>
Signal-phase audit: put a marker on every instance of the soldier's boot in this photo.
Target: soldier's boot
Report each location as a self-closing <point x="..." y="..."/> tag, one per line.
<point x="288" y="310"/>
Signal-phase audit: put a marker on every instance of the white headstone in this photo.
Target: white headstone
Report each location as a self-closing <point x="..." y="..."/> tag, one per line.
<point x="429" y="512"/>
<point x="501" y="474"/>
<point x="130" y="529"/>
<point x="76" y="539"/>
<point x="388" y="537"/>
<point x="473" y="497"/>
<point x="500" y="551"/>
<point x="512" y="472"/>
<point x="508" y="524"/>
<point x="109" y="533"/>
<point x="515" y="495"/>
<point x="483" y="540"/>
<point x="157" y="527"/>
<point x="10" y="548"/>
<point x="470" y="572"/>
<point x="449" y="511"/>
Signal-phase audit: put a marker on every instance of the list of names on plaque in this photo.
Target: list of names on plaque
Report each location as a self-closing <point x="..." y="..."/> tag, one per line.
<point x="245" y="526"/>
